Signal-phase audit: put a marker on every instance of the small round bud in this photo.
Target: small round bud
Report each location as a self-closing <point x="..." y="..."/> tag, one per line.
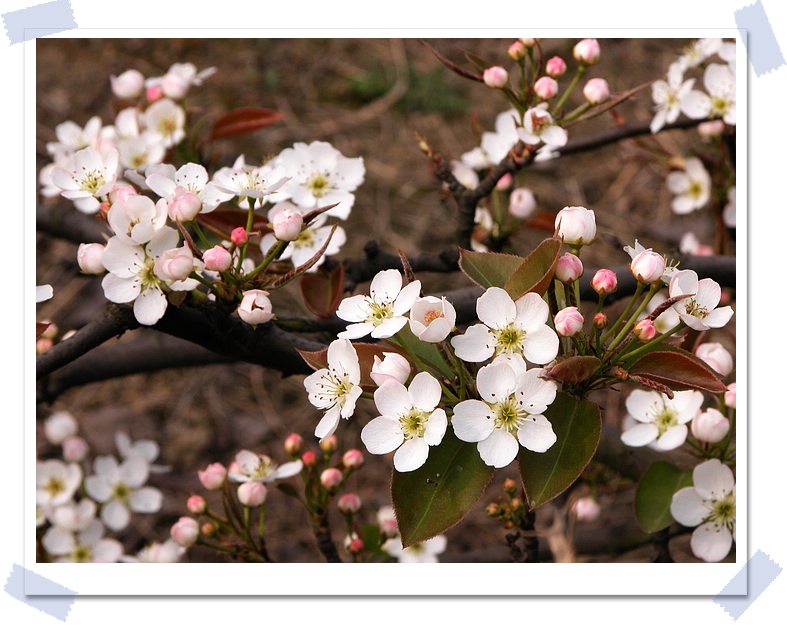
<point x="184" y="205"/>
<point x="309" y="458"/>
<point x="349" y="503"/>
<point x="528" y="42"/>
<point x="212" y="476"/>
<point x="90" y="258"/>
<point x="255" y="307"/>
<point x="596" y="91"/>
<point x="505" y="182"/>
<point x="710" y="426"/>
<point x="75" y="449"/>
<point x="252" y="494"/>
<point x="352" y="458"/>
<point x="521" y="203"/>
<point x="604" y="282"/>
<point x="154" y="93"/>
<point x="239" y="236"/>
<point x="648" y="266"/>
<point x="492" y="509"/>
<point x="716" y="357"/>
<point x="217" y="259"/>
<point x="185" y="531"/>
<point x="545" y="87"/>
<point x="355" y="545"/>
<point x="208" y="529"/>
<point x="287" y="224"/>
<point x="516" y="51"/>
<point x="329" y="444"/>
<point x="293" y="444"/>
<point x="730" y="396"/>
<point x="127" y="85"/>
<point x="600" y="320"/>
<point x="569" y="268"/>
<point x="556" y="67"/>
<point x="59" y="426"/>
<point x="587" y="51"/>
<point x="516" y="504"/>
<point x="569" y="321"/>
<point x="386" y="521"/>
<point x="175" y="264"/>
<point x="509" y="486"/>
<point x="331" y="478"/>
<point x="576" y="225"/>
<point x="196" y="504"/>
<point x="645" y="330"/>
<point x="393" y="366"/>
<point x="509" y="525"/>
<point x="495" y="77"/>
<point x="587" y="509"/>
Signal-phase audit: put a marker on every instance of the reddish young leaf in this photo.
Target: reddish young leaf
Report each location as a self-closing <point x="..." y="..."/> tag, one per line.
<point x="322" y="291"/>
<point x="366" y="353"/>
<point x="243" y="121"/>
<point x="535" y="272"/>
<point x="574" y="369"/>
<point x="679" y="370"/>
<point x="41" y="328"/>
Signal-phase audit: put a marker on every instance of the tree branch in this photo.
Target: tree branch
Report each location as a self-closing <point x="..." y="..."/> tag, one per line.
<point x="65" y="222"/>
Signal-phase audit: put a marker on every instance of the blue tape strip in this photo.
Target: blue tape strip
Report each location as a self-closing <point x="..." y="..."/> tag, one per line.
<point x="57" y="603"/>
<point x="764" y="51"/>
<point x="760" y="571"/>
<point x="39" y="20"/>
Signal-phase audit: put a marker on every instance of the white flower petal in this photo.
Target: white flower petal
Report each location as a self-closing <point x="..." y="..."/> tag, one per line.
<point x="644" y="405"/>
<point x="532" y="312"/>
<point x="382" y="435"/>
<point x="386" y="285"/>
<point x="495" y="308"/>
<point x="411" y="455"/>
<point x="473" y="421"/>
<point x="673" y="438"/>
<point x="536" y="434"/>
<point x="425" y="392"/>
<point x="687" y="507"/>
<point x="328" y="423"/>
<point x="499" y="449"/>
<point x="711" y="543"/>
<point x="475" y="345"/>
<point x="541" y="345"/>
<point x="406" y="298"/>
<point x="640" y="435"/>
<point x="146" y="500"/>
<point x="120" y="290"/>
<point x="115" y="515"/>
<point x="435" y="427"/>
<point x="495" y="382"/>
<point x="713" y="480"/>
<point x="392" y="399"/>
<point x="389" y="327"/>
<point x="150" y="306"/>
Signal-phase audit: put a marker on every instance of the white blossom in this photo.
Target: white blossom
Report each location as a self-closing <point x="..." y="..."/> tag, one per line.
<point x="56" y="482"/>
<point x="667" y="96"/>
<point x="699" y="311"/>
<point x="691" y="187"/>
<point x="71" y="137"/>
<point x="77" y="536"/>
<point x="719" y="82"/>
<point x="167" y="183"/>
<point x="247" y="181"/>
<point x="660" y="421"/>
<point x="167" y="120"/>
<point x="163" y="553"/>
<point x="539" y="126"/>
<point x="87" y="178"/>
<point x="496" y="145"/>
<point x="251" y="467"/>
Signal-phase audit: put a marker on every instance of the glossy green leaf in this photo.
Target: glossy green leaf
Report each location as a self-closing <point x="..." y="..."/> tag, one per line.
<point x="488" y="268"/>
<point x="536" y="271"/>
<point x="434" y="497"/>
<point x="654" y="495"/>
<point x="577" y="425"/>
<point x="679" y="370"/>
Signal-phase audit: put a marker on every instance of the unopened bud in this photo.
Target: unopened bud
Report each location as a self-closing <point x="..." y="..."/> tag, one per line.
<point x="329" y="444"/>
<point x="287" y="224"/>
<point x="569" y="321"/>
<point x="121" y="192"/>
<point x="196" y="504"/>
<point x="349" y="503"/>
<point x="43" y="345"/>
<point x="648" y="266"/>
<point x="730" y="396"/>
<point x="710" y="426"/>
<point x="556" y="67"/>
<point x="505" y="182"/>
<point x="331" y="478"/>
<point x="185" y="531"/>
<point x="596" y="91"/>
<point x="212" y="476"/>
<point x="516" y="51"/>
<point x="309" y="458"/>
<point x="208" y="529"/>
<point x="127" y="85"/>
<point x="528" y="42"/>
<point x="184" y="205"/>
<point x="546" y="87"/>
<point x="587" y="51"/>
<point x="252" y="494"/>
<point x="516" y="504"/>
<point x="495" y="77"/>
<point x="174" y="86"/>
<point x="90" y="258"/>
<point x="59" y="426"/>
<point x="522" y="203"/>
<point x="293" y="444"/>
<point x="604" y="282"/>
<point x="217" y="259"/>
<point x="492" y="509"/>
<point x="352" y="458"/>
<point x="600" y="320"/>
<point x="716" y="357"/>
<point x="239" y="236"/>
<point x="645" y="330"/>
<point x="75" y="449"/>
<point x="509" y="486"/>
<point x="355" y="546"/>
<point x="154" y="93"/>
<point x="587" y="509"/>
<point x="569" y="268"/>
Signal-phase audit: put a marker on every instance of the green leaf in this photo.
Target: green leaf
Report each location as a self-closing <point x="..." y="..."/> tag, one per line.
<point x="654" y="495"/>
<point x="679" y="370"/>
<point x="488" y="268"/>
<point x="577" y="425"/>
<point x="535" y="272"/>
<point x="434" y="497"/>
<point x="405" y="341"/>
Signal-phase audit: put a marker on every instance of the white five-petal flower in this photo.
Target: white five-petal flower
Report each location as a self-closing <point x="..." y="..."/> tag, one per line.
<point x="719" y="101"/>
<point x="166" y="183"/>
<point x="699" y="311"/>
<point x="667" y="96"/>
<point x="137" y="219"/>
<point x="76" y="535"/>
<point x="253" y="467"/>
<point x="658" y="420"/>
<point x="247" y="181"/>
<point x="691" y="187"/>
<point x="167" y="120"/>
<point x="56" y="482"/>
<point x="72" y="137"/>
<point x="87" y="178"/>
<point x="539" y="126"/>
<point x="495" y="145"/>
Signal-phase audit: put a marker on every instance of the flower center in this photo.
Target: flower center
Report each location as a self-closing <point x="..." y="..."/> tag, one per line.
<point x="431" y="315"/>
<point x="509" y="339"/>
<point x="413" y="423"/>
<point x="146" y="275"/>
<point x="695" y="310"/>
<point x="334" y="388"/>
<point x="665" y="420"/>
<point x="81" y="553"/>
<point x="695" y="189"/>
<point x="92" y="181"/>
<point x="319" y="185"/>
<point x="538" y="121"/>
<point x="722" y="512"/>
<point x="379" y="311"/>
<point x="121" y="492"/>
<point x="54" y="486"/>
<point x="265" y="468"/>
<point x="167" y="126"/>
<point x="509" y="415"/>
<point x="305" y="239"/>
<point x="719" y="106"/>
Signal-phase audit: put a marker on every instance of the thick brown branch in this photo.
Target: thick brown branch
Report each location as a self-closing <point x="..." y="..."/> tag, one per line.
<point x="65" y="222"/>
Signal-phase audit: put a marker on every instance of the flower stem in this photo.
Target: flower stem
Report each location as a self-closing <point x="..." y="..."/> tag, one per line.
<point x="650" y="344"/>
<point x="272" y="254"/>
<point x="624" y="314"/>
<point x="571" y="86"/>
<point x="633" y="319"/>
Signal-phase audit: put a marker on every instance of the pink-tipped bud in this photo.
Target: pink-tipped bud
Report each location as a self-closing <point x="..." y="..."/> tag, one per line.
<point x="505" y="182"/>
<point x="716" y="357"/>
<point x="43" y="345"/>
<point x="355" y="544"/>
<point x="556" y="67"/>
<point x="196" y="504"/>
<point x="127" y="85"/>
<point x="352" y="458"/>
<point x="239" y="236"/>
<point x="309" y="458"/>
<point x="522" y="203"/>
<point x="75" y="449"/>
<point x="604" y="282"/>
<point x="329" y="444"/>
<point x="293" y="444"/>
<point x="287" y="224"/>
<point x="495" y="77"/>
<point x="710" y="426"/>
<point x="516" y="51"/>
<point x="569" y="321"/>
<point x="217" y="259"/>
<point x="730" y="396"/>
<point x="600" y="320"/>
<point x="174" y="86"/>
<point x="213" y="476"/>
<point x="121" y="192"/>
<point x="208" y="529"/>
<point x="587" y="51"/>
<point x="645" y="330"/>
<point x="393" y="366"/>
<point x="90" y="258"/>
<point x="175" y="264"/>
<point x="545" y="87"/>
<point x="587" y="509"/>
<point x="331" y="478"/>
<point x="569" y="268"/>
<point x="154" y="93"/>
<point x="711" y="129"/>
<point x="184" y="205"/>
<point x="528" y="42"/>
<point x="252" y="494"/>
<point x="349" y="503"/>
<point x="185" y="531"/>
<point x="648" y="266"/>
<point x="596" y="90"/>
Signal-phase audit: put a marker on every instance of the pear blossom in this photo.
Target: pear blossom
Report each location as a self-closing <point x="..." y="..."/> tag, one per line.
<point x="287" y="224"/>
<point x="716" y="357"/>
<point x="56" y="482"/>
<point x="320" y="175"/>
<point x="556" y="67"/>
<point x="77" y="536"/>
<point x="432" y="318"/>
<point x="393" y="366"/>
<point x="508" y="327"/>
<point x="710" y="426"/>
<point x="381" y="313"/>
<point x="698" y="311"/>
<point x="661" y="421"/>
<point x="539" y="126"/>
<point x="146" y="449"/>
<point x="141" y="151"/>
<point x="587" y="509"/>
<point x="120" y="488"/>
<point x="137" y="220"/>
<point x="667" y="96"/>
<point x="87" y="177"/>
<point x="691" y="187"/>
<point x="587" y="51"/>
<point x="496" y="145"/>
<point x="425" y="552"/>
<point x="710" y="505"/>
<point x="335" y="388"/>
<point x="511" y="413"/>
<point x="251" y="467"/>
<point x="477" y="159"/>
<point x="166" y="119"/>
<point x="175" y="264"/>
<point x="48" y="187"/>
<point x="699" y="51"/>
<point x="648" y="266"/>
<point x="731" y="396"/>
<point x="465" y="174"/>
<point x="495" y="77"/>
<point x="666" y="320"/>
<point x="71" y="137"/>
<point x="185" y="532"/>
<point x="386" y="521"/>
<point x="690" y="244"/>
<point x="255" y="307"/>
<point x="190" y="178"/>
<point x="719" y="81"/>
<point x="576" y="225"/>
<point x="251" y="182"/>
<point x="179" y="78"/>
<point x="89" y="258"/>
<point x="522" y="203"/>
<point x="167" y="552"/>
<point x="409" y="422"/>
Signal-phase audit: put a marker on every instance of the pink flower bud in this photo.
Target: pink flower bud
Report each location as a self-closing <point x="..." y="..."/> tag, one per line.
<point x="309" y="458"/>
<point x="196" y="504"/>
<point x="252" y="494"/>
<point x="576" y="225"/>
<point x="569" y="268"/>
<point x="239" y="236"/>
<point x="59" y="426"/>
<point x="329" y="444"/>
<point x="596" y="90"/>
<point x="352" y="458"/>
<point x="600" y="320"/>
<point x="716" y="357"/>
<point x="293" y="444"/>
<point x="75" y="449"/>
<point x="522" y="203"/>
<point x="213" y="476"/>
<point x="354" y="544"/>
<point x="154" y="93"/>
<point x="331" y="478"/>
<point x="710" y="129"/>
<point x="43" y="345"/>
<point x="545" y="87"/>
<point x="127" y="85"/>
<point x="185" y="531"/>
<point x="587" y="509"/>
<point x="175" y="264"/>
<point x="495" y="77"/>
<point x="217" y="259"/>
<point x="568" y="321"/>
<point x="184" y="205"/>
<point x="504" y="183"/>
<point x="516" y="51"/>
<point x="528" y="42"/>
<point x="648" y="266"/>
<point x="645" y="330"/>
<point x="349" y="503"/>
<point x="174" y="86"/>
<point x="587" y="51"/>
<point x="556" y="67"/>
<point x="710" y="426"/>
<point x="393" y="366"/>
<point x="121" y="192"/>
<point x="208" y="529"/>
<point x="90" y="258"/>
<point x="287" y="224"/>
<point x="730" y="396"/>
<point x="604" y="282"/>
